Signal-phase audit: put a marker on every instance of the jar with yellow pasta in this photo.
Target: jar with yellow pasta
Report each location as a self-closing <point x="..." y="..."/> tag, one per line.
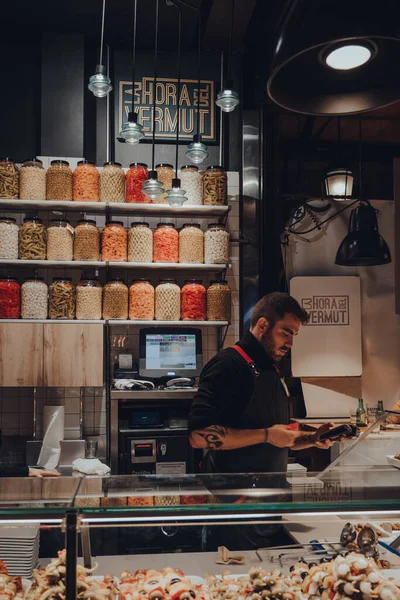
<point x="9" y="179"/>
<point x="32" y="239"/>
<point x="215" y="186"/>
<point x="62" y="298"/>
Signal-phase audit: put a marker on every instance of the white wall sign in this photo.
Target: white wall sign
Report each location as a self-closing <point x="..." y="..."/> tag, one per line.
<point x="330" y="344"/>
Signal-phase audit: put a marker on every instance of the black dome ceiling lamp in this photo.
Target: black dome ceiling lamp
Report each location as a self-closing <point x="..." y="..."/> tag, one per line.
<point x="336" y="57"/>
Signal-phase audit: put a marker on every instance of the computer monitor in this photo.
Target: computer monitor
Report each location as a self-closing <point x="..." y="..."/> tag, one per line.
<point x="167" y="352"/>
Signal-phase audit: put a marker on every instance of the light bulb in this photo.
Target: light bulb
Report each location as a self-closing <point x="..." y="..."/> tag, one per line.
<point x="348" y="57"/>
<point x="100" y="83"/>
<point x="152" y="188"/>
<point x="131" y="131"/>
<point x="339" y="184"/>
<point x="176" y="196"/>
<point x="197" y="151"/>
<point x="227" y="100"/>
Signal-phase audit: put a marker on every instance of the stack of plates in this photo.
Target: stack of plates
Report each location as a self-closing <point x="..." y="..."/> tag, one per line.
<point x="19" y="548"/>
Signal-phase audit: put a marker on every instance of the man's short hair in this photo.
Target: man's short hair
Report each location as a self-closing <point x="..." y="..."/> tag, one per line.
<point x="275" y="306"/>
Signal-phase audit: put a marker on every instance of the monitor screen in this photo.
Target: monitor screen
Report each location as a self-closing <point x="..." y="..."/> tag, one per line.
<point x="170" y="352"/>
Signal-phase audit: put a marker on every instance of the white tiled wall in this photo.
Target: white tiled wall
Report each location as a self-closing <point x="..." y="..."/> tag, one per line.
<point x="16" y="404"/>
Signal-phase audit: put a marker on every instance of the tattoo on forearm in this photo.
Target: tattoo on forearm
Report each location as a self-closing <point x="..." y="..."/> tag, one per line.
<point x="303" y="439"/>
<point x="214" y="436"/>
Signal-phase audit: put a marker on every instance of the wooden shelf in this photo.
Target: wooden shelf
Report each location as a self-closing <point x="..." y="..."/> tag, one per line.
<point x="143" y="395"/>
<point x="59" y="264"/>
<point x="140" y="323"/>
<point x="120" y="208"/>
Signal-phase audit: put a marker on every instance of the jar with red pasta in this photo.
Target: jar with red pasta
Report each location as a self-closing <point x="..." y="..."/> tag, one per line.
<point x="141" y="300"/>
<point x="168" y="301"/>
<point x="114" y="242"/>
<point x="86" y="182"/>
<point x="166" y="243"/>
<point x="135" y="178"/>
<point x="193" y="301"/>
<point x="10" y="298"/>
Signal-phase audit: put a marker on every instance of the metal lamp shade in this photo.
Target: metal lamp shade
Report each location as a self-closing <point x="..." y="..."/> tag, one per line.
<point x="363" y="246"/>
<point x="302" y="81"/>
<point x="339" y="184"/>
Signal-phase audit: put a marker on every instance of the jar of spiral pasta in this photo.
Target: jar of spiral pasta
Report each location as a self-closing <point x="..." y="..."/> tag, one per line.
<point x="86" y="182"/>
<point x="140" y="242"/>
<point x="165" y="174"/>
<point x="60" y="240"/>
<point x="191" y="244"/>
<point x="8" y="238"/>
<point x="219" y="301"/>
<point x="89" y="295"/>
<point x="114" y="242"/>
<point x="191" y="182"/>
<point x="216" y="244"/>
<point x="168" y="301"/>
<point x="135" y="178"/>
<point x="32" y="239"/>
<point x="215" y="190"/>
<point x="59" y="181"/>
<point x="166" y="243"/>
<point x="193" y="301"/>
<point x="10" y="298"/>
<point x="62" y="298"/>
<point x="115" y="299"/>
<point x="141" y="300"/>
<point x="9" y="179"/>
<point x="112" y="183"/>
<point x="32" y="180"/>
<point x="34" y="298"/>
<point x="87" y="240"/>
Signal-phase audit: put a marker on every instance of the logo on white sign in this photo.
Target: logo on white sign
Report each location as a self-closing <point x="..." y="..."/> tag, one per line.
<point x="327" y="310"/>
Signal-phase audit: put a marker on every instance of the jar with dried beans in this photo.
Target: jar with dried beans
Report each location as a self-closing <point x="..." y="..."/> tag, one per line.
<point x="34" y="298"/>
<point x="115" y="299"/>
<point x="87" y="240"/>
<point x="219" y="301"/>
<point x="8" y="238"/>
<point x="59" y="181"/>
<point x="60" y="240"/>
<point x="89" y="294"/>
<point x="32" y="180"/>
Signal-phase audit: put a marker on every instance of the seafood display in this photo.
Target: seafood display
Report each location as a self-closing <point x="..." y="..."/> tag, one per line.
<point x="166" y="584"/>
<point x="10" y="587"/>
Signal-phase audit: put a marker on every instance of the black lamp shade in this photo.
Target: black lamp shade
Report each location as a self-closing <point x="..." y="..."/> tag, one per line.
<point x="363" y="246"/>
<point x="300" y="79"/>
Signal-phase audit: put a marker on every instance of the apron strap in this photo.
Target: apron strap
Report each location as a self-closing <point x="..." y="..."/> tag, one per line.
<point x="247" y="358"/>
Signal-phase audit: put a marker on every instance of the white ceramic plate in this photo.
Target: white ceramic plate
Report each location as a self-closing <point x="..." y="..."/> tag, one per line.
<point x="393" y="461"/>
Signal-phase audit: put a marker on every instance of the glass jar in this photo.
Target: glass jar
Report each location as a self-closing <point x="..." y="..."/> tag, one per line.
<point x="10" y="298"/>
<point x="86" y="240"/>
<point x="135" y="178"/>
<point x="191" y="182"/>
<point x="165" y="174"/>
<point x="216" y="244"/>
<point x="86" y="182"/>
<point x="115" y="300"/>
<point x="140" y="243"/>
<point x="166" y="243"/>
<point x="59" y="181"/>
<point x="112" y="183"/>
<point x="62" y="298"/>
<point x="114" y="242"/>
<point x="191" y="244"/>
<point x="215" y="186"/>
<point x="141" y="300"/>
<point x="219" y="301"/>
<point x="32" y="239"/>
<point x="8" y="238"/>
<point x="89" y="294"/>
<point x="60" y="240"/>
<point x="34" y="299"/>
<point x="193" y="301"/>
<point x="32" y="180"/>
<point x="168" y="301"/>
<point x="9" y="179"/>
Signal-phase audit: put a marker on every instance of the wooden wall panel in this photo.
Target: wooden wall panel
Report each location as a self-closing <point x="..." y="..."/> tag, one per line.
<point x="21" y="354"/>
<point x="73" y="355"/>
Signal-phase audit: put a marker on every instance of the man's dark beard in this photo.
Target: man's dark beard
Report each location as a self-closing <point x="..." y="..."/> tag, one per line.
<point x="268" y="345"/>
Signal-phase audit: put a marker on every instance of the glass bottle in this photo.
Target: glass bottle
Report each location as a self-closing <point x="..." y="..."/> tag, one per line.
<point x="361" y="415"/>
<point x="380" y="412"/>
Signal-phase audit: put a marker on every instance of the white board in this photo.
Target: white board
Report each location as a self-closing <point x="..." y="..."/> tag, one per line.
<point x="330" y="344"/>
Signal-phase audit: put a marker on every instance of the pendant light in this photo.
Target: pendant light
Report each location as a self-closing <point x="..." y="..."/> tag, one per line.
<point x="152" y="187"/>
<point x="228" y="99"/>
<point x="336" y="57"/>
<point x="132" y="131"/>
<point x="176" y="196"/>
<point x="100" y="83"/>
<point x="196" y="151"/>
<point x="363" y="246"/>
<point x="339" y="181"/>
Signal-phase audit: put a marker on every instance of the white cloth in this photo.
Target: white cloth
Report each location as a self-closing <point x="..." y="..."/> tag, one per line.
<point x="53" y="421"/>
<point x="90" y="466"/>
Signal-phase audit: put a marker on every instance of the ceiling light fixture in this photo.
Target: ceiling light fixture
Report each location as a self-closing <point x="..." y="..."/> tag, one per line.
<point x="132" y="131"/>
<point x="227" y="99"/>
<point x="152" y="187"/>
<point x="100" y="83"/>
<point x="339" y="181"/>
<point x="349" y="56"/>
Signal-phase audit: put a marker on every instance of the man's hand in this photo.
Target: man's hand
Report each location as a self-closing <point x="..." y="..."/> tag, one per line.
<point x="282" y="437"/>
<point x="43" y="473"/>
<point x="325" y="444"/>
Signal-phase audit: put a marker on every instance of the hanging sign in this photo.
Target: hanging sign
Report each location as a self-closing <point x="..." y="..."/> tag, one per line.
<point x="166" y="91"/>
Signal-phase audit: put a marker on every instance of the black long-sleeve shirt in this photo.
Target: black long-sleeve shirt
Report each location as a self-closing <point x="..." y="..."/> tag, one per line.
<point x="14" y="471"/>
